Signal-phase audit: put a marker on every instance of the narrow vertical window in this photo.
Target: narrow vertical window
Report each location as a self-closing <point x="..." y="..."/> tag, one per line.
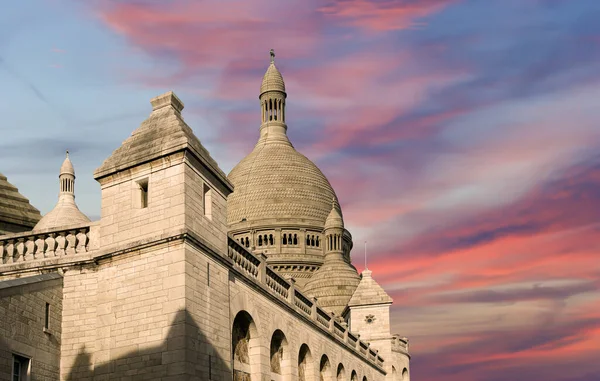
<point x="207" y="201"/>
<point x="47" y="316"/>
<point x="208" y="274"/>
<point x="209" y="367"/>
<point x="143" y="193"/>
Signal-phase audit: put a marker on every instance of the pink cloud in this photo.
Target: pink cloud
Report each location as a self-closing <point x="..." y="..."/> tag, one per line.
<point x="382" y="16"/>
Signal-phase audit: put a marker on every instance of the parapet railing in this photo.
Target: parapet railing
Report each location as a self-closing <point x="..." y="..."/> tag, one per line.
<point x="399" y="344"/>
<point x="256" y="268"/>
<point x="29" y="246"/>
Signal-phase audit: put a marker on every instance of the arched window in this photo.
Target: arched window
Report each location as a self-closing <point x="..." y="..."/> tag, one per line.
<point x="295" y="239"/>
<point x="317" y="241"/>
<point x="305" y="364"/>
<point x="270" y="239"/>
<point x="270" y="109"/>
<point x="247" y="242"/>
<point x="245" y="345"/>
<point x="280" y="357"/>
<point x="405" y="374"/>
<point x="312" y="241"/>
<point x="325" y="369"/>
<point x="354" y="376"/>
<point x="260" y="240"/>
<point x="284" y="239"/>
<point x="341" y="373"/>
<point x="365" y="378"/>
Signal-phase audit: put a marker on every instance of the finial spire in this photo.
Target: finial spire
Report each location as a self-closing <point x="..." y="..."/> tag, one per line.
<point x="272" y="52"/>
<point x="67" y="154"/>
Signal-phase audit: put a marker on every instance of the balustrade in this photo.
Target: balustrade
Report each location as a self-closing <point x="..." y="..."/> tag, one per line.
<point x="256" y="268"/>
<point x="30" y="246"/>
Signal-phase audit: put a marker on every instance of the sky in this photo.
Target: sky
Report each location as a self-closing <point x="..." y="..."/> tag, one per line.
<point x="462" y="139"/>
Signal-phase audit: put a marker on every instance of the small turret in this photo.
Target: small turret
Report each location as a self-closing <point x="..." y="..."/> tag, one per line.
<point x="66" y="211"/>
<point x="335" y="282"/>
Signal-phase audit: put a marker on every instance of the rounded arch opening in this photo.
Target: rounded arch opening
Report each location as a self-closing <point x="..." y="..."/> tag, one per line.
<point x="306" y="369"/>
<point x="341" y="373"/>
<point x="280" y="357"/>
<point x="405" y="374"/>
<point x="245" y="347"/>
<point x="353" y="376"/>
<point x="365" y="378"/>
<point x="325" y="370"/>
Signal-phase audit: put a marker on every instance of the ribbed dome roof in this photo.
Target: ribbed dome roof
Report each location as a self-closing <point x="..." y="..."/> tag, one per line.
<point x="277" y="182"/>
<point x="333" y="285"/>
<point x="273" y="80"/>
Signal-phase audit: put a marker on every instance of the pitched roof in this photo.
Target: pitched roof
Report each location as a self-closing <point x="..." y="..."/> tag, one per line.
<point x="15" y="208"/>
<point x="369" y="292"/>
<point x="164" y="132"/>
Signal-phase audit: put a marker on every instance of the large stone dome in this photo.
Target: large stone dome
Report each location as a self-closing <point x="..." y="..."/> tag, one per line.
<point x="276" y="182"/>
<point x="280" y="199"/>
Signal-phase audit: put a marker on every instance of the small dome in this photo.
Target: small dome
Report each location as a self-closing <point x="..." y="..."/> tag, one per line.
<point x="67" y="167"/>
<point x="333" y="285"/>
<point x="273" y="80"/>
<point x="334" y="219"/>
<point x="64" y="213"/>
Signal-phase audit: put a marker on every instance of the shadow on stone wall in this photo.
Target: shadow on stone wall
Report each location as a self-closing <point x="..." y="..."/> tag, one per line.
<point x="185" y="354"/>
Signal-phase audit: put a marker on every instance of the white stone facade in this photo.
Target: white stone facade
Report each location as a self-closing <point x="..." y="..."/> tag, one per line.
<point x="165" y="287"/>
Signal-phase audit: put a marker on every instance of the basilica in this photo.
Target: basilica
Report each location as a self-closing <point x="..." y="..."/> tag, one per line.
<point x="192" y="274"/>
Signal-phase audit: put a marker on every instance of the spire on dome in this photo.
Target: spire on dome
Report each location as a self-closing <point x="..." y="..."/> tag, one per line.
<point x="272" y="80"/>
<point x="334" y="220"/>
<point x="66" y="211"/>
<point x="67" y="166"/>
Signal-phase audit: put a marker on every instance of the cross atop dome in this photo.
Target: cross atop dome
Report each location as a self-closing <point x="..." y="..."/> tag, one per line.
<point x="272" y="52"/>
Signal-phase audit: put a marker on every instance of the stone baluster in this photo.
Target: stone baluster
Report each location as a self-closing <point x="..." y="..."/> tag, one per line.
<point x="20" y="250"/>
<point x="358" y="342"/>
<point x="82" y="240"/>
<point x="50" y="245"/>
<point x="28" y="254"/>
<point x="332" y="322"/>
<point x="10" y="251"/>
<point x="61" y="241"/>
<point x="3" y="258"/>
<point x="40" y="247"/>
<point x="292" y="291"/>
<point x="71" y="242"/>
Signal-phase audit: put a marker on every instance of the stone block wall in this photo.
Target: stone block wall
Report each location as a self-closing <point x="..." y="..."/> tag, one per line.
<point x="207" y="303"/>
<point x="78" y="322"/>
<point x="379" y="325"/>
<point x="205" y="206"/>
<point x="22" y="319"/>
<point x="123" y="219"/>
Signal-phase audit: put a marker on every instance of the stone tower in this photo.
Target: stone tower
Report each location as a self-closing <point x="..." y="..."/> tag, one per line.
<point x="335" y="282"/>
<point x="369" y="314"/>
